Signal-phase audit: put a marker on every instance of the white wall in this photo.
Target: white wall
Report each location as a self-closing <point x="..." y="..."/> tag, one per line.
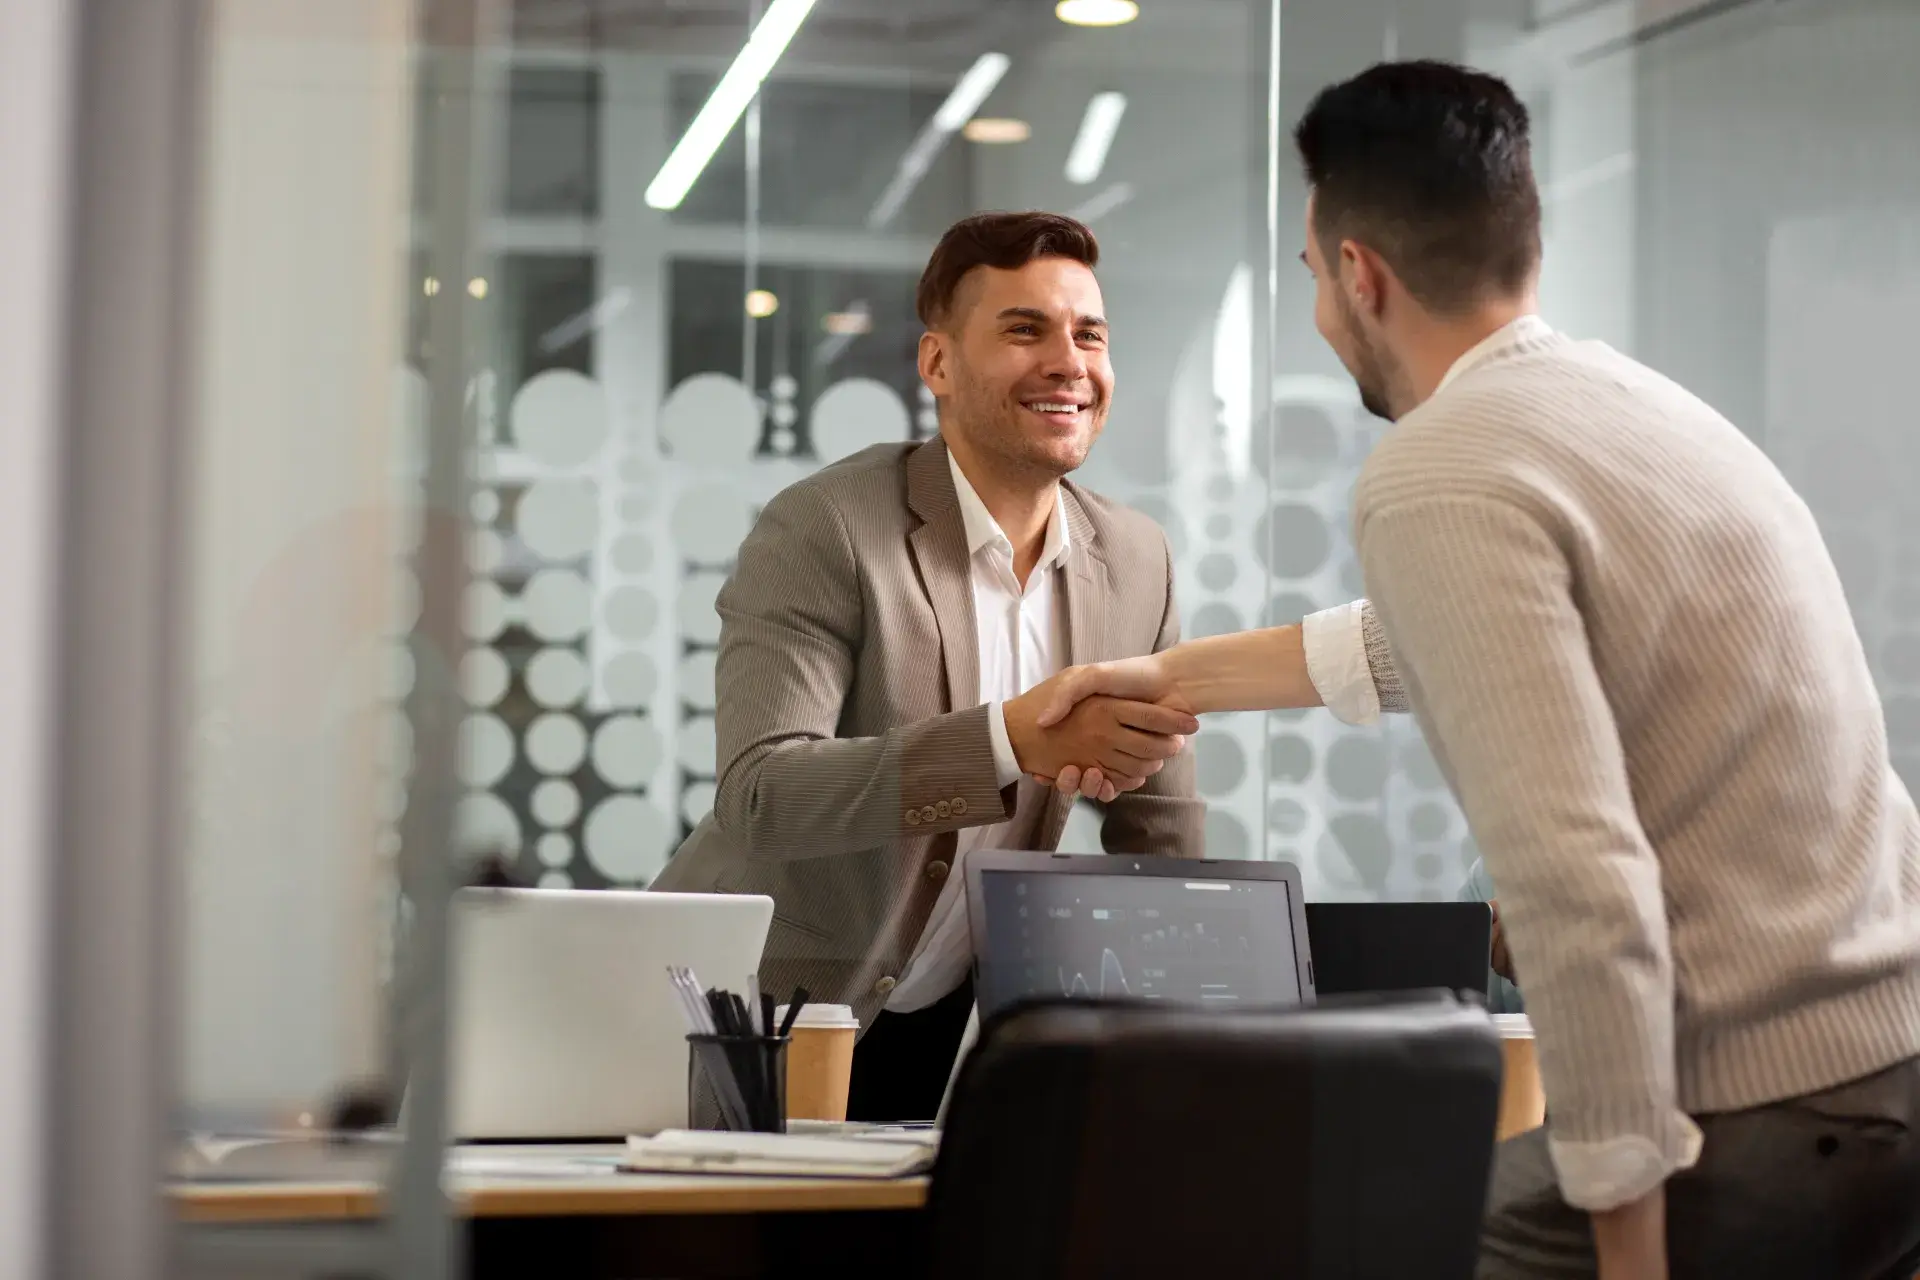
<point x="297" y="520"/>
<point x="34" y="83"/>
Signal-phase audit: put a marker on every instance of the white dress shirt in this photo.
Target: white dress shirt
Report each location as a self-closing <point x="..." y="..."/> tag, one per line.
<point x="1022" y="634"/>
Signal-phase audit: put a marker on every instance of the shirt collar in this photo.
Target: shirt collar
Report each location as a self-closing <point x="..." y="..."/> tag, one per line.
<point x="1513" y="333"/>
<point x="984" y="531"/>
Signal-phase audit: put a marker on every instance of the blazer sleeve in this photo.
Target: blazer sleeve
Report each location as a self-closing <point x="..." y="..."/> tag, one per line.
<point x="1164" y="816"/>
<point x="791" y="633"/>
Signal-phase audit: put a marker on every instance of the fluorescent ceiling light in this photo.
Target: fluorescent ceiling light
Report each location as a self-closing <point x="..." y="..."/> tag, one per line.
<point x="988" y="129"/>
<point x="1096" y="13"/>
<point x="1104" y="203"/>
<point x="980" y="80"/>
<point x="1097" y="127"/>
<point x="761" y="303"/>
<point x="729" y="98"/>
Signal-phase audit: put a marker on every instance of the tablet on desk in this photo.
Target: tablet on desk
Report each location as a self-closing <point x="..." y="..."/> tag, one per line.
<point x="1217" y="934"/>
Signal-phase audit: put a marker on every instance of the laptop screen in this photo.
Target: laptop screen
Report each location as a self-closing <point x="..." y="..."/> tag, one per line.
<point x="1197" y="938"/>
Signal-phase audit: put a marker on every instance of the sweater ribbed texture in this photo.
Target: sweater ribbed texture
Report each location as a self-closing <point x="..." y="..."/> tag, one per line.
<point x="1630" y="653"/>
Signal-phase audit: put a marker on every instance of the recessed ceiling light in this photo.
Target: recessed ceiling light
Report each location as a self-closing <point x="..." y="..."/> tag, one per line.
<point x="996" y="129"/>
<point x="477" y="286"/>
<point x="849" y="323"/>
<point x="761" y="304"/>
<point x="430" y="286"/>
<point x="1096" y="13"/>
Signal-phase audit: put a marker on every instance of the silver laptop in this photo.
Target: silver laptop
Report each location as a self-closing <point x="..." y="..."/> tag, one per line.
<point x="563" y="1023"/>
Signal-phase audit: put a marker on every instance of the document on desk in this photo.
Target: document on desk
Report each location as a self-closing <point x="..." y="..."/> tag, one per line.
<point x="897" y="1154"/>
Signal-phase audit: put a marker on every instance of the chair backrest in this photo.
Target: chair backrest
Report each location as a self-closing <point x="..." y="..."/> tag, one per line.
<point x="1095" y="1139"/>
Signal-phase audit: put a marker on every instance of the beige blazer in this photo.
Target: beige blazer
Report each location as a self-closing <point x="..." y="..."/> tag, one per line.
<point x="853" y="744"/>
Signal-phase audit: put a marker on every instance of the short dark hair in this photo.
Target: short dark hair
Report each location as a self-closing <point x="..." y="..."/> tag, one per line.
<point x="1430" y="165"/>
<point x="1004" y="240"/>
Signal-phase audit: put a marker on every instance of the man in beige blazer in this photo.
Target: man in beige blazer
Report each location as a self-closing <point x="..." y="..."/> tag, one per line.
<point x="885" y="620"/>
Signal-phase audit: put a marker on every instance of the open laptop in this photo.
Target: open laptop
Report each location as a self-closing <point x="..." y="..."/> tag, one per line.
<point x="564" y="1025"/>
<point x="1365" y="947"/>
<point x="1211" y="933"/>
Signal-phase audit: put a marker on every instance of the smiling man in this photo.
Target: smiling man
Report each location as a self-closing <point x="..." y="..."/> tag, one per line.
<point x="881" y="631"/>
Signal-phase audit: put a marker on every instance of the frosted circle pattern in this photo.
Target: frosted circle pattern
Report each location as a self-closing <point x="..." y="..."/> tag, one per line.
<point x="631" y="613"/>
<point x="699" y="621"/>
<point x="1288" y="608"/>
<point x="696" y="802"/>
<point x="711" y="420"/>
<point x="1220" y="490"/>
<point x="1418" y="766"/>
<point x="1155" y="508"/>
<point x="1219" y="526"/>
<point x="555" y="803"/>
<point x="1289" y="758"/>
<point x="696" y="679"/>
<point x="399" y="672"/>
<point x="1306" y="446"/>
<point x="486" y="608"/>
<point x="709" y="523"/>
<point x="1292" y="540"/>
<point x="558" y="519"/>
<point x="1429" y="822"/>
<point x="1357" y="768"/>
<point x="559" y="605"/>
<point x="1216" y="619"/>
<point x="635" y="508"/>
<point x="626" y="751"/>
<point x="1428" y="866"/>
<point x="853" y="414"/>
<point x="629" y="680"/>
<point x="627" y="839"/>
<point x="560" y="418"/>
<point x="1364" y="840"/>
<point x="1220" y="763"/>
<point x="485" y="506"/>
<point x="482" y="823"/>
<point x="555" y="849"/>
<point x="1227" y="836"/>
<point x="1217" y="571"/>
<point x="486" y="750"/>
<point x="696" y="746"/>
<point x="1287" y="817"/>
<point x="555" y="880"/>
<point x="484" y="677"/>
<point x="632" y="554"/>
<point x="486" y="551"/>
<point x="556" y="678"/>
<point x="556" y="744"/>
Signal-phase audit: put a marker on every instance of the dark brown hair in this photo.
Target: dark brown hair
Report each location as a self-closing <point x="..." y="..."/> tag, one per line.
<point x="1004" y="240"/>
<point x="1429" y="165"/>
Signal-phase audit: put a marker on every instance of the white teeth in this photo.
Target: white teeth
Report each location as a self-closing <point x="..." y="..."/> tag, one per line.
<point x="1054" y="408"/>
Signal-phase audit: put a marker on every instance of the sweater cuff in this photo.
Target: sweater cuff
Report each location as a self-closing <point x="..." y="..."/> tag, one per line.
<point x="1597" y="1176"/>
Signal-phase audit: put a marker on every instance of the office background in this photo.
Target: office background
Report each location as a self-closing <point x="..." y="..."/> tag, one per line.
<point x="1732" y="194"/>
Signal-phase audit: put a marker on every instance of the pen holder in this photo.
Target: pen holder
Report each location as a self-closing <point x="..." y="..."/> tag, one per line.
<point x="748" y="1077"/>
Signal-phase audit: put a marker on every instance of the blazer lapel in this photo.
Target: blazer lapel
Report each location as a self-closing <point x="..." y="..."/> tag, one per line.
<point x="940" y="549"/>
<point x="1089" y="593"/>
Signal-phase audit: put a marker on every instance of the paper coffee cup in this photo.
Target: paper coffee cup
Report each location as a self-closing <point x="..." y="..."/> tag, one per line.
<point x="820" y="1061"/>
<point x="1523" y="1104"/>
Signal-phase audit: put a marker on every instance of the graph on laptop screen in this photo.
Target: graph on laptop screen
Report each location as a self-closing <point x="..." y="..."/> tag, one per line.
<point x="1213" y="943"/>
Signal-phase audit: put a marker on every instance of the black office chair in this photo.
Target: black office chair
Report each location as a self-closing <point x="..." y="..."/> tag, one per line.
<point x="1093" y="1139"/>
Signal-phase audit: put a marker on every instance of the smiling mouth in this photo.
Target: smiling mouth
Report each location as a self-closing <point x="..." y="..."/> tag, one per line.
<point x="1060" y="409"/>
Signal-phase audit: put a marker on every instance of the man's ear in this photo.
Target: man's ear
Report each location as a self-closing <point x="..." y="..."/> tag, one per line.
<point x="934" y="370"/>
<point x="1364" y="275"/>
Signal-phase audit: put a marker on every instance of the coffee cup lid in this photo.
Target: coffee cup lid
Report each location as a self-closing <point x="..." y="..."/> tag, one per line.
<point x="831" y="1016"/>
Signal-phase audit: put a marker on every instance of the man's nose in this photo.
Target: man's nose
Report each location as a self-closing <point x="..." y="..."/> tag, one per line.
<point x="1065" y="361"/>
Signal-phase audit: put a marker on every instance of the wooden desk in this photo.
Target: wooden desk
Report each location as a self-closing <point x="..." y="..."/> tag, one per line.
<point x="612" y="1195"/>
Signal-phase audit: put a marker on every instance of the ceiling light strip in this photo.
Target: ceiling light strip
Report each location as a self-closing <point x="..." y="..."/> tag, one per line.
<point x="972" y="90"/>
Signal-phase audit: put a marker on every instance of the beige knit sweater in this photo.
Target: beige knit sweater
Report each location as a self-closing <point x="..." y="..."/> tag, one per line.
<point x="1629" y="651"/>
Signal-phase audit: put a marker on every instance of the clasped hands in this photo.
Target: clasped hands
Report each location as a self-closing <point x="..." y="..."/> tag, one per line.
<point x="1099" y="730"/>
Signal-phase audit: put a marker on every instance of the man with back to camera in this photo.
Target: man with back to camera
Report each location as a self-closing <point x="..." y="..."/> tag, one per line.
<point x="1629" y="650"/>
<point x="879" y="633"/>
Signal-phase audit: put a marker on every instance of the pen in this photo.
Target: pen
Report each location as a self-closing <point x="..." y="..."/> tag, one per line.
<point x="762" y="1026"/>
<point x="800" y="997"/>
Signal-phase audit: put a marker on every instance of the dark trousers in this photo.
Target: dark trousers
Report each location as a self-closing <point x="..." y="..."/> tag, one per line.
<point x="1825" y="1187"/>
<point x="901" y="1065"/>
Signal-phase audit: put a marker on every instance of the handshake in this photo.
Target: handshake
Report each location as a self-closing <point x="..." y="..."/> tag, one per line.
<point x="1102" y="729"/>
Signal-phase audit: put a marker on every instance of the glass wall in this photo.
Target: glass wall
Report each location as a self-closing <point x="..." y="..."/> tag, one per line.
<point x="1732" y="195"/>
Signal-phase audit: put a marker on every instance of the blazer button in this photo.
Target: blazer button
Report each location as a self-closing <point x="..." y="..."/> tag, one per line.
<point x="929" y="814"/>
<point x="913" y="817"/>
<point x="959" y="805"/>
<point x="944" y="809"/>
<point x="885" y="985"/>
<point x="937" y="871"/>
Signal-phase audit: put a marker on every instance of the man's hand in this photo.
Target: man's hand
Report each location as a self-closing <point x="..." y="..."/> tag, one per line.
<point x="1630" y="1242"/>
<point x="1501" y="959"/>
<point x="1128" y="741"/>
<point x="1142" y="679"/>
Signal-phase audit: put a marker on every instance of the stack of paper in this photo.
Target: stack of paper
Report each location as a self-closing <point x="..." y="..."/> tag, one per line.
<point x="871" y="1155"/>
